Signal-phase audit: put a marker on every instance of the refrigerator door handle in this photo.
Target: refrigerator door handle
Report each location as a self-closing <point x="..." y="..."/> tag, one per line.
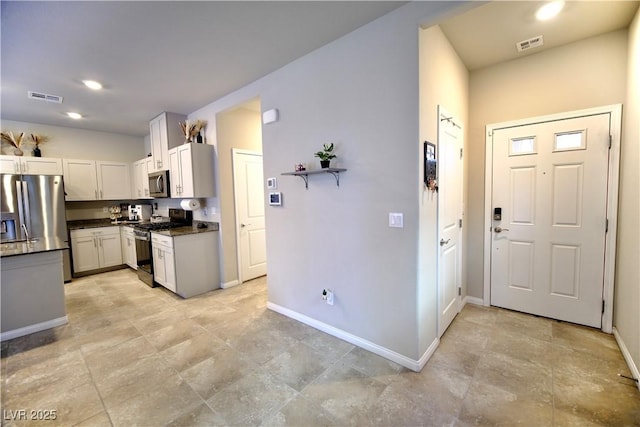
<point x="27" y="209"/>
<point x="21" y="216"/>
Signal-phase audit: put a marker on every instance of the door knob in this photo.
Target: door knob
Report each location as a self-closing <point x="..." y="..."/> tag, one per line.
<point x="500" y="229"/>
<point x="444" y="242"/>
<point x="244" y="225"/>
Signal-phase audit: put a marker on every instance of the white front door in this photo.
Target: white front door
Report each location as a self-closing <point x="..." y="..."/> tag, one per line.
<point x="549" y="198"/>
<point x="249" y="198"/>
<point x="450" y="171"/>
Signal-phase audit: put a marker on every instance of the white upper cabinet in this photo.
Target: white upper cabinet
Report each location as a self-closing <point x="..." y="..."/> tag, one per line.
<point x="96" y="180"/>
<point x="140" y="179"/>
<point x="191" y="171"/>
<point x="30" y="165"/>
<point x="165" y="133"/>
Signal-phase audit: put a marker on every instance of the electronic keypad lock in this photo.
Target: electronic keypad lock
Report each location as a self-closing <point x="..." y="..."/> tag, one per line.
<point x="497" y="214"/>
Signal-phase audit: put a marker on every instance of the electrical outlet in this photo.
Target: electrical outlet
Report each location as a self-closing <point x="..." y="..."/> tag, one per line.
<point x="205" y="212"/>
<point x="330" y="297"/>
<point x="105" y="209"/>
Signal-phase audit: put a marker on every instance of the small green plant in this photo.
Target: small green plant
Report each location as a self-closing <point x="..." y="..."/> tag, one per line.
<point x="327" y="152"/>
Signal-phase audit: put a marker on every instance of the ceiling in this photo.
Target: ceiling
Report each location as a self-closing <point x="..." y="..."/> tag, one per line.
<point x="154" y="56"/>
<point x="487" y="35"/>
<point x="180" y="56"/>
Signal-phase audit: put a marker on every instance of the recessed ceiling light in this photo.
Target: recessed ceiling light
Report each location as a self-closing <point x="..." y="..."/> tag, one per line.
<point x="92" y="84"/>
<point x="73" y="115"/>
<point x="549" y="10"/>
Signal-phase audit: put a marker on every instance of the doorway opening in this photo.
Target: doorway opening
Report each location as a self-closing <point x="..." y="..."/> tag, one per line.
<point x="239" y="130"/>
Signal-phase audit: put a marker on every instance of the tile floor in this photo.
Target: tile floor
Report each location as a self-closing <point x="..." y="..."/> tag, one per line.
<point x="132" y="355"/>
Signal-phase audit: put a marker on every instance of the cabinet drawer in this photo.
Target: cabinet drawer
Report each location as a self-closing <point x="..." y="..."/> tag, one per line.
<point x="96" y="231"/>
<point x="159" y="239"/>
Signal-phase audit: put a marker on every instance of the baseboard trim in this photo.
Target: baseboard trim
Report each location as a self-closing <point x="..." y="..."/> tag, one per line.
<point x="473" y="300"/>
<point x="414" y="365"/>
<point x="428" y="353"/>
<point x="635" y="373"/>
<point x="20" y="332"/>
<point x="225" y="285"/>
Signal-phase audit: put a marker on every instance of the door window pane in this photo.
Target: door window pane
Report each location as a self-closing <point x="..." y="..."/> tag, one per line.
<point x="521" y="146"/>
<point x="567" y="141"/>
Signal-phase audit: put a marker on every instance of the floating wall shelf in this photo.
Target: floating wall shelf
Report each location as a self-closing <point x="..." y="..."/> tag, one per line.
<point x="305" y="174"/>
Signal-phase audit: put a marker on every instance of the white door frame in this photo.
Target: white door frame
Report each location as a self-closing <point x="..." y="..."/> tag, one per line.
<point x="235" y="151"/>
<point x="612" y="198"/>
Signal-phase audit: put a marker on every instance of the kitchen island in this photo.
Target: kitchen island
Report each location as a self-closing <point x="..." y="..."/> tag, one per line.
<point x="32" y="286"/>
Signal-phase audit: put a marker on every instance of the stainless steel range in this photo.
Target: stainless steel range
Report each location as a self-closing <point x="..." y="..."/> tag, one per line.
<point x="142" y="233"/>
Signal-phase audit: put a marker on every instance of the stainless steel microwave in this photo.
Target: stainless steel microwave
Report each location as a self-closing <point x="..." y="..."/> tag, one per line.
<point x="159" y="184"/>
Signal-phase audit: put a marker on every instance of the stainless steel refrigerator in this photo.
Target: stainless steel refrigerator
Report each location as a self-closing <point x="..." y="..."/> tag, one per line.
<point x="32" y="207"/>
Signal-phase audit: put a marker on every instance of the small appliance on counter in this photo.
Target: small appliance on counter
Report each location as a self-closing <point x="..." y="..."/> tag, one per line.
<point x="139" y="212"/>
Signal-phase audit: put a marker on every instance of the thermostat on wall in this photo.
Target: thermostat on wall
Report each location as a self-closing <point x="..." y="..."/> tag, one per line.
<point x="272" y="183"/>
<point x="275" y="199"/>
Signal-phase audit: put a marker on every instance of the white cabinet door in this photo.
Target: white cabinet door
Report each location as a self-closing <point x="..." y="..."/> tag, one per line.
<point x="165" y="134"/>
<point x="114" y="180"/>
<point x="169" y="269"/>
<point x="110" y="250"/>
<point x="144" y="177"/>
<point x="136" y="184"/>
<point x="85" y="253"/>
<point x="128" y="247"/>
<point x="41" y="166"/>
<point x="191" y="171"/>
<point x="158" y="134"/>
<point x="9" y="164"/>
<point x="80" y="180"/>
<point x="159" y="274"/>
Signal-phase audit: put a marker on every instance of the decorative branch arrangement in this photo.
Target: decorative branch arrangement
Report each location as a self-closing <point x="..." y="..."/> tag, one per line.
<point x="192" y="128"/>
<point x="38" y="139"/>
<point x="12" y="139"/>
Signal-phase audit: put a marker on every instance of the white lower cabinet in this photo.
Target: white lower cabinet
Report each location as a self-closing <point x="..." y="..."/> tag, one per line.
<point x="186" y="264"/>
<point x="95" y="248"/>
<point x="128" y="241"/>
<point x="164" y="271"/>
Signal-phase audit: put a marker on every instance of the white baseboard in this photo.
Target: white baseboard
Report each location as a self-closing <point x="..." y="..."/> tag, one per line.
<point x="20" y="332"/>
<point x="225" y="285"/>
<point x="414" y="365"/>
<point x="635" y="373"/>
<point x="472" y="300"/>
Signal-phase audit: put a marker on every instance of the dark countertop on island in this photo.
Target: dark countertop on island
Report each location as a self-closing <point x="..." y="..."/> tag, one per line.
<point x="41" y="244"/>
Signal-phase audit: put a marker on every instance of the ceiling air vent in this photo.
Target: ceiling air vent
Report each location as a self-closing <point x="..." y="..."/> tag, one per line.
<point x="44" y="97"/>
<point x="529" y="44"/>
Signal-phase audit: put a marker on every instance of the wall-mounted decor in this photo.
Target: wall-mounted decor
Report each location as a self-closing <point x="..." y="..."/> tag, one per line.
<point x="430" y="166"/>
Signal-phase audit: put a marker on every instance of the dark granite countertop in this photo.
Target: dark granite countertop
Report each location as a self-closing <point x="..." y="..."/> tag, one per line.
<point x="41" y="244"/>
<point x="94" y="223"/>
<point x="189" y="229"/>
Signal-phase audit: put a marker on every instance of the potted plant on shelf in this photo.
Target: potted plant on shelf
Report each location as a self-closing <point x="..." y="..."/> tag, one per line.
<point x="325" y="155"/>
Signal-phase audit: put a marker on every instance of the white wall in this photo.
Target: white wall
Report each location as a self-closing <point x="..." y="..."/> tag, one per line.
<point x="444" y="80"/>
<point x="585" y="74"/>
<point x="627" y="287"/>
<point x="73" y="143"/>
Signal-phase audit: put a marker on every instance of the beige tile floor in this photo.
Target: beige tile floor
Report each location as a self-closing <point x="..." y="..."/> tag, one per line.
<point x="132" y="355"/>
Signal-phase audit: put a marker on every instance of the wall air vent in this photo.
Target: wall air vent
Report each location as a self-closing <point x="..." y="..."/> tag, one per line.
<point x="44" y="97"/>
<point x="529" y="44"/>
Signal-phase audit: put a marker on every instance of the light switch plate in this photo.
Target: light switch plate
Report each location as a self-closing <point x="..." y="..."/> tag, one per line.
<point x="396" y="220"/>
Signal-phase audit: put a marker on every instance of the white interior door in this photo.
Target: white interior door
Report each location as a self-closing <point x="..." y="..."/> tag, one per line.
<point x="548" y="248"/>
<point x="450" y="171"/>
<point x="249" y="196"/>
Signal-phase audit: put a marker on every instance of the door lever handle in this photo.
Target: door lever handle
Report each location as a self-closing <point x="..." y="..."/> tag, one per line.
<point x="500" y="229"/>
<point x="444" y="242"/>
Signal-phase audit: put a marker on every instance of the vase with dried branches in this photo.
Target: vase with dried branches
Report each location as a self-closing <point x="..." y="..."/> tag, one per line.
<point x="14" y="140"/>
<point x="38" y="139"/>
<point x="191" y="129"/>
